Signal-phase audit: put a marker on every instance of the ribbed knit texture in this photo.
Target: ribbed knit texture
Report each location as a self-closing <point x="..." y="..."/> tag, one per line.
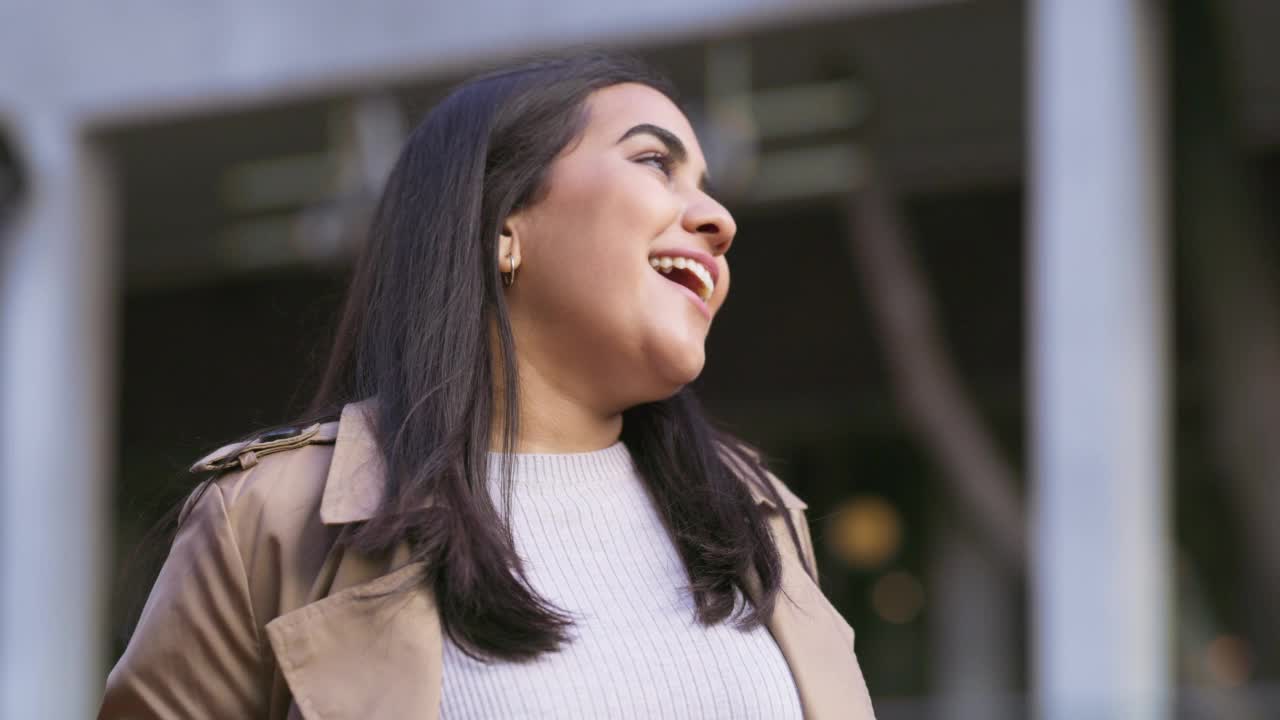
<point x="593" y="544"/>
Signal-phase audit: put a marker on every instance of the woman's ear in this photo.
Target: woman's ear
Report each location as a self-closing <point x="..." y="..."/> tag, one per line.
<point x="508" y="248"/>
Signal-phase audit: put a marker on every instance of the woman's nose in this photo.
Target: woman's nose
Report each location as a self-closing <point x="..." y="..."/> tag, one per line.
<point x="712" y="221"/>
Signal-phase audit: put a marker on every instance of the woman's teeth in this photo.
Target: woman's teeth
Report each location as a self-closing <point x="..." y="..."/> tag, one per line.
<point x="665" y="264"/>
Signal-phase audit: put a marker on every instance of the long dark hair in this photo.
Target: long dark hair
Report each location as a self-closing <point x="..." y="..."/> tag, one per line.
<point x="416" y="333"/>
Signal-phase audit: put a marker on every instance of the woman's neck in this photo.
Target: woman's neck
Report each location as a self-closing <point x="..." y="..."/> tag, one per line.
<point x="552" y="420"/>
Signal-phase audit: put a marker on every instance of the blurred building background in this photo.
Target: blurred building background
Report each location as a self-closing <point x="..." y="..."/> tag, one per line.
<point x="920" y="296"/>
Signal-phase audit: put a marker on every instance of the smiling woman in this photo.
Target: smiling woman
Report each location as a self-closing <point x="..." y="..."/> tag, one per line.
<point x="506" y="500"/>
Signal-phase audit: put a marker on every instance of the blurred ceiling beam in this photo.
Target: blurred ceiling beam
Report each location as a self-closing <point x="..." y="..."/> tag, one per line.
<point x="156" y="58"/>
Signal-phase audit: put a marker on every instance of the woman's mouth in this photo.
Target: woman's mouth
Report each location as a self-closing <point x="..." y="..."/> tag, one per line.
<point x="687" y="272"/>
<point x="692" y="277"/>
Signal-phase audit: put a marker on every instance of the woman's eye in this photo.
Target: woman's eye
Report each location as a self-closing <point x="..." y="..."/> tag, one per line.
<point x="660" y="161"/>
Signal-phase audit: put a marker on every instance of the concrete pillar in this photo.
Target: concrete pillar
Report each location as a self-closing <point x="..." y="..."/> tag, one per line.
<point x="57" y="330"/>
<point x="1100" y="572"/>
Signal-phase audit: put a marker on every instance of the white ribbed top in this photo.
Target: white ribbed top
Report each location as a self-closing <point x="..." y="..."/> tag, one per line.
<point x="594" y="546"/>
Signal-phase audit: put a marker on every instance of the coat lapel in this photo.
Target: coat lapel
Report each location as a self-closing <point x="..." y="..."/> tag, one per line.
<point x="818" y="645"/>
<point x="813" y="636"/>
<point x="367" y="651"/>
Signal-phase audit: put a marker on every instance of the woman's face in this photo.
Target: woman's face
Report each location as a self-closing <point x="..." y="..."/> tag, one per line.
<point x="591" y="313"/>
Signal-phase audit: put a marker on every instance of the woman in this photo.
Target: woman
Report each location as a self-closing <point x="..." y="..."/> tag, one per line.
<point x="520" y="509"/>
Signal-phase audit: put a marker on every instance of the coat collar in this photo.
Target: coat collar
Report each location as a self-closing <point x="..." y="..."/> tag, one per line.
<point x="355" y="487"/>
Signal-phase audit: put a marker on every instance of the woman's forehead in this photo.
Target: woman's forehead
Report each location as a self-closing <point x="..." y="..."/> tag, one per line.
<point x="615" y="109"/>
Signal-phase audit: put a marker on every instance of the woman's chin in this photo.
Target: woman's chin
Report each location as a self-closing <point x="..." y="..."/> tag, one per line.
<point x="671" y="360"/>
<point x="681" y="368"/>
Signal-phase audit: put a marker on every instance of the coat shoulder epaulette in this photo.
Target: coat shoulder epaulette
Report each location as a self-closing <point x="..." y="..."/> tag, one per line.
<point x="244" y="454"/>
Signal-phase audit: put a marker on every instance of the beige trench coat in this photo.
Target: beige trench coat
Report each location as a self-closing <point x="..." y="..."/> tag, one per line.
<point x="257" y="613"/>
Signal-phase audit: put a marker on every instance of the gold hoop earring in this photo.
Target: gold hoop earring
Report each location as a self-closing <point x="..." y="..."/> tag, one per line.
<point x="509" y="278"/>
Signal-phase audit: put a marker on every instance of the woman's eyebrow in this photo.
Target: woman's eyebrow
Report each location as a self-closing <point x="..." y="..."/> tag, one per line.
<point x="674" y="146"/>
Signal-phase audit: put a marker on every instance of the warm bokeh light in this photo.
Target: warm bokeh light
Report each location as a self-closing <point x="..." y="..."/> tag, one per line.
<point x="898" y="597"/>
<point x="865" y="532"/>
<point x="1228" y="660"/>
